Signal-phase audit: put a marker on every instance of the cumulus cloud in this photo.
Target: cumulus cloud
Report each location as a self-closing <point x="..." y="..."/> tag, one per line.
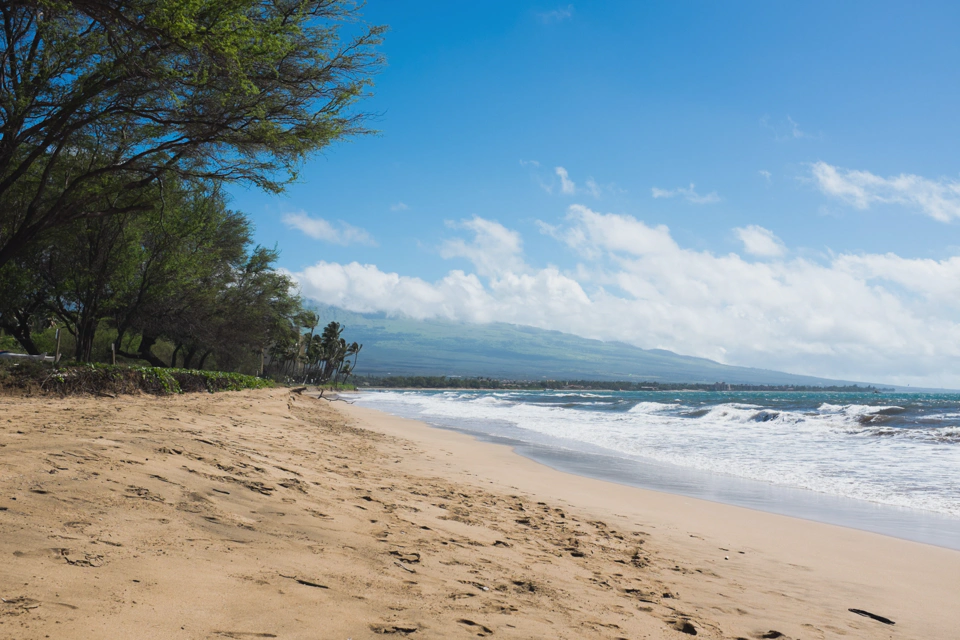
<point x="689" y="194"/>
<point x="320" y="229"/>
<point x="939" y="199"/>
<point x="758" y="241"/>
<point x="874" y="317"/>
<point x="567" y="185"/>
<point x="494" y="249"/>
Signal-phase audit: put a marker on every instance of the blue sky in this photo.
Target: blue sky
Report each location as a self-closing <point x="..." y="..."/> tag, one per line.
<point x="766" y="184"/>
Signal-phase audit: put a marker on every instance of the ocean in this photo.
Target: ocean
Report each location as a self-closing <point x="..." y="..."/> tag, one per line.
<point x="888" y="463"/>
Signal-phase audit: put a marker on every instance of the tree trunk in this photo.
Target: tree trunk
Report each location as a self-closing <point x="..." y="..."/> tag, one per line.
<point x="188" y="359"/>
<point x="146" y="344"/>
<point x="203" y="358"/>
<point x="20" y="330"/>
<point x="176" y="351"/>
<point x="86" y="331"/>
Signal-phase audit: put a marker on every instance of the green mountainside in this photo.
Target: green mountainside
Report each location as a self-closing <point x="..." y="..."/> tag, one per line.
<point x="409" y="347"/>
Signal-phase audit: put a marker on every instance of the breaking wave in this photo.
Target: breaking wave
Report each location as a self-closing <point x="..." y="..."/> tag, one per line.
<point x="905" y="453"/>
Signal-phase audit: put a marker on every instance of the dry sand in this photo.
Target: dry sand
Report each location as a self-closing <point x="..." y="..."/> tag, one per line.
<point x="265" y="514"/>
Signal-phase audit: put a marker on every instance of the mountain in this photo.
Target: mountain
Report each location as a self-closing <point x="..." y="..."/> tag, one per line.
<point x="405" y="346"/>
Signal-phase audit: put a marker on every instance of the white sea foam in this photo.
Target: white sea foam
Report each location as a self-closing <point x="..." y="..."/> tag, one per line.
<point x="844" y="450"/>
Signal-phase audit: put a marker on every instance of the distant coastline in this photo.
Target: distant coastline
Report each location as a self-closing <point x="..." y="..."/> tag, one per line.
<point x="441" y="383"/>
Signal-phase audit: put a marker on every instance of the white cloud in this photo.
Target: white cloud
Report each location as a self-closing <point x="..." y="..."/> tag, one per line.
<point x="399" y="206"/>
<point x="689" y="194"/>
<point x="795" y="131"/>
<point x="320" y="229"/>
<point x="939" y="199"/>
<point x="493" y="250"/>
<point x="529" y="163"/>
<point x="758" y="241"/>
<point x="766" y="174"/>
<point x="786" y="130"/>
<point x="566" y="184"/>
<point x="868" y="317"/>
<point x="557" y="15"/>
<point x="593" y="187"/>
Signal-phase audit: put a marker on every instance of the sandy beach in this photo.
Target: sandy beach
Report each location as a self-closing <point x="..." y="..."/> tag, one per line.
<point x="268" y="514"/>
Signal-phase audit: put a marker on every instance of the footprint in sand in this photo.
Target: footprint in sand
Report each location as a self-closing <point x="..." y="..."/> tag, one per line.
<point x="476" y="626"/>
<point x="394" y="629"/>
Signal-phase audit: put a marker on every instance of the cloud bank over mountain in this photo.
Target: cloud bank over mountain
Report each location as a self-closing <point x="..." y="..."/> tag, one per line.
<point x="851" y="316"/>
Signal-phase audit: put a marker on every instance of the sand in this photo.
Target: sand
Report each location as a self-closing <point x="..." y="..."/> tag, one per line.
<point x="267" y="514"/>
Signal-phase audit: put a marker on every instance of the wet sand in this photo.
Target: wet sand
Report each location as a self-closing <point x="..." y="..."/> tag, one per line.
<point x="267" y="514"/>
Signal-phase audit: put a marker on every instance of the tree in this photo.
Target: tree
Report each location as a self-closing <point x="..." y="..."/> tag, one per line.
<point x="82" y="270"/>
<point x="23" y="295"/>
<point x="328" y="356"/>
<point x="100" y="99"/>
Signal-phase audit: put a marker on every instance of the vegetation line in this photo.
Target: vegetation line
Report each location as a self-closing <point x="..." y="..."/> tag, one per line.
<point x="104" y="379"/>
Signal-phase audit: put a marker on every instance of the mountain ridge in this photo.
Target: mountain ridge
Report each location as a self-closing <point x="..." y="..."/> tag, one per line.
<point x="399" y="345"/>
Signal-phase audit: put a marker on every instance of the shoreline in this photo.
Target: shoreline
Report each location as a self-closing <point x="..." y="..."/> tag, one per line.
<point x="906" y="523"/>
<point x="842" y="563"/>
<point x="274" y="514"/>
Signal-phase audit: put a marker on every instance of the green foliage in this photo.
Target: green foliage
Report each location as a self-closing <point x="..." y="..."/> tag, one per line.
<point x="179" y="284"/>
<point x="102" y="99"/>
<point x="120" y="122"/>
<point x="328" y="354"/>
<point x="95" y="378"/>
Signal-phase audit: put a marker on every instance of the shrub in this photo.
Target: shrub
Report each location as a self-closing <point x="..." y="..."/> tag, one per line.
<point x="93" y="378"/>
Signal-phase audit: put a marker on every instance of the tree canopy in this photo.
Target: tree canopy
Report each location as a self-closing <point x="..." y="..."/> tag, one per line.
<point x="100" y="99"/>
<point x="121" y="123"/>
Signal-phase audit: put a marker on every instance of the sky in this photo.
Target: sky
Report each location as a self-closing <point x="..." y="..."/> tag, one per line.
<point x="764" y="184"/>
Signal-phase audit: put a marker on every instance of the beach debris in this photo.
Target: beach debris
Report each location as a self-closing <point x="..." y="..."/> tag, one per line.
<point x="404" y="567"/>
<point x="773" y="633"/>
<point x="307" y="583"/>
<point x="867" y="614"/>
<point x="474" y="584"/>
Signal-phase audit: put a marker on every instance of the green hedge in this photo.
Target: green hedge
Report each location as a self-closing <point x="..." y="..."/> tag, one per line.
<point x="79" y="378"/>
